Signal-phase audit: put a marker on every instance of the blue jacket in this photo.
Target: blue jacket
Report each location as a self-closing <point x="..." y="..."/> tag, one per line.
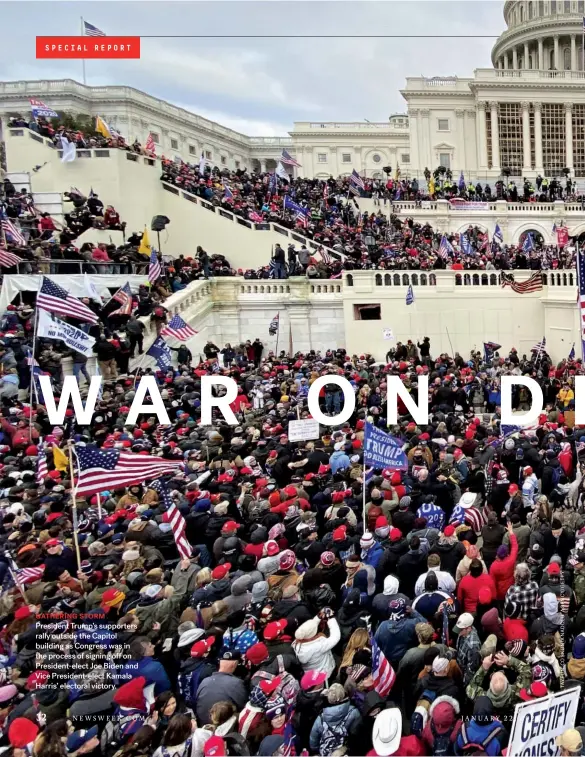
<point x="151" y="669"/>
<point x="338" y="460"/>
<point x="335" y="715"/>
<point x="373" y="555"/>
<point x="396" y="637"/>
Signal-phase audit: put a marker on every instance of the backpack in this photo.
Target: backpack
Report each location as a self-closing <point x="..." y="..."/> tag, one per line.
<point x="556" y="475"/>
<point x="469" y="747"/>
<point x="333" y="737"/>
<point x="443" y="743"/>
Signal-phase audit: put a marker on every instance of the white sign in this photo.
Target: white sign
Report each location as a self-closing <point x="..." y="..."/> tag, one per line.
<point x="388" y="334"/>
<point x="303" y="431"/>
<point x="53" y="328"/>
<point x="537" y="724"/>
<point x="425" y="205"/>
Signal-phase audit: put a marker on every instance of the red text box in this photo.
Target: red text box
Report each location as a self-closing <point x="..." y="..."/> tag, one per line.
<point x="88" y="47"/>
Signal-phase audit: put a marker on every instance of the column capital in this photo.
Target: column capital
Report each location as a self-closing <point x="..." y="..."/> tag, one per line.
<point x="568" y="106"/>
<point x="537" y="106"/>
<point x="459" y="113"/>
<point x="525" y="105"/>
<point x="481" y="104"/>
<point x="573" y="37"/>
<point x="425" y="112"/>
<point x="470" y="112"/>
<point x="493" y="104"/>
<point x="413" y="112"/>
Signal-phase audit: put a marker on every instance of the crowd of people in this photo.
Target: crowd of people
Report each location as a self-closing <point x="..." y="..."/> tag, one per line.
<point x="298" y="619"/>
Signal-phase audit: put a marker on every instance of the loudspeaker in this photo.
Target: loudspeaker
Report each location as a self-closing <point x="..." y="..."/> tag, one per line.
<point x="158" y="223"/>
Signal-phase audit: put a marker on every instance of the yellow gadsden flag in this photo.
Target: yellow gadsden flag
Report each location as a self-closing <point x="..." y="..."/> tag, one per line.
<point x="60" y="459"/>
<point x="102" y="127"/>
<point x="144" y="248"/>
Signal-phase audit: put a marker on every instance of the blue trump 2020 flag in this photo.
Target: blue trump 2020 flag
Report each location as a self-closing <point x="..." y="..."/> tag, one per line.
<point x="161" y="352"/>
<point x="382" y="450"/>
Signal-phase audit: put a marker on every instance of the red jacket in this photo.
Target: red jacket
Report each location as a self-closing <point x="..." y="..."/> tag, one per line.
<point x="502" y="571"/>
<point x="468" y="590"/>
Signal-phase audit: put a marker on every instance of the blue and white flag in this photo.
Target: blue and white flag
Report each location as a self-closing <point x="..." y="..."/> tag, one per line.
<point x="498" y="233"/>
<point x="280" y="171"/>
<point x="69" y="150"/>
<point x="528" y="244"/>
<point x="382" y="450"/>
<point x="409" y="295"/>
<point x="161" y="352"/>
<point x="554" y="228"/>
<point x="50" y="327"/>
<point x="227" y="192"/>
<point x="465" y="244"/>
<point x="461" y="182"/>
<point x="572" y="352"/>
<point x="300" y="213"/>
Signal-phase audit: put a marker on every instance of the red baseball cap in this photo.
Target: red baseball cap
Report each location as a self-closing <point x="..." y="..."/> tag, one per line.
<point x="231" y="525"/>
<point x="201" y="647"/>
<point x="221" y="571"/>
<point x="274" y="629"/>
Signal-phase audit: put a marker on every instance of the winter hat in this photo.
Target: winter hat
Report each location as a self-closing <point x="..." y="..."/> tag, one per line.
<point x="287" y="560"/>
<point x="259" y="591"/>
<point x="257" y="653"/>
<point x="327" y="558"/>
<point x="130" y="694"/>
<point x="339" y="533"/>
<point x="502" y="551"/>
<point x="404" y="503"/>
<point x="112" y="598"/>
<point x="449" y="530"/>
<point x="440" y="665"/>
<point x="443" y="712"/>
<point x="395" y="534"/>
<point x="367" y="540"/>
<point x="397" y="609"/>
<point x="579" y="646"/>
<point x="307" y="630"/>
<point x="336" y="694"/>
<point x="517" y="648"/>
<point x="274" y="707"/>
<point x="22" y="732"/>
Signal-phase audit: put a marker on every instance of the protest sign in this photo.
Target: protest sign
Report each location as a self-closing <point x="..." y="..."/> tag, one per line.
<point x="382" y="450"/>
<point x="53" y="328"/>
<point x="388" y="334"/>
<point x="302" y="431"/>
<point x="537" y="724"/>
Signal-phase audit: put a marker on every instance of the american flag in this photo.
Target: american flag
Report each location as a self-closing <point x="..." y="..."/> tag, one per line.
<point x="174" y="517"/>
<point x="533" y="284"/>
<point x="326" y="192"/>
<point x="42" y="469"/>
<point x="36" y="372"/>
<point x="100" y="469"/>
<point x="274" y="323"/>
<point x="92" y="31"/>
<point x="55" y="299"/>
<point x="288" y="160"/>
<point x="227" y="192"/>
<point x="325" y="256"/>
<point x="7" y="259"/>
<point x="28" y="575"/>
<point x="255" y="217"/>
<point x="539" y="346"/>
<point x="445" y="247"/>
<point x="154" y="268"/>
<point x="177" y="328"/>
<point x="124" y="297"/>
<point x="383" y="673"/>
<point x="581" y="283"/>
<point x="150" y="145"/>
<point x="356" y="180"/>
<point x="488" y="350"/>
<point x="11" y="233"/>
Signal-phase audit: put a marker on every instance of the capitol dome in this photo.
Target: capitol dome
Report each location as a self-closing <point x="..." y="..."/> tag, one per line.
<point x="542" y="34"/>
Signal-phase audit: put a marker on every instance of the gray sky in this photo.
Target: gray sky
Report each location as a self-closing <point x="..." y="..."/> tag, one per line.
<point x="261" y="86"/>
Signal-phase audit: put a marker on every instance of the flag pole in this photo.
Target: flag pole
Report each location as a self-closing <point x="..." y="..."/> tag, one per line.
<point x="83" y="59"/>
<point x="32" y="361"/>
<point x="277" y="335"/>
<point x="579" y="253"/>
<point x="364" y="496"/>
<point x="74" y="507"/>
<point x="99" y="505"/>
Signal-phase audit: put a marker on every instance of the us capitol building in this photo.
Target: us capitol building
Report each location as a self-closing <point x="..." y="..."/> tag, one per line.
<point x="526" y="114"/>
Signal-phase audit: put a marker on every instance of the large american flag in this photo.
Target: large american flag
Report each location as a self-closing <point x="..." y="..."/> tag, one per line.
<point x="356" y="179"/>
<point x="124" y="297"/>
<point x="533" y="284"/>
<point x="581" y="284"/>
<point x="101" y="469"/>
<point x="287" y="159"/>
<point x="178" y="329"/>
<point x="7" y="259"/>
<point x="383" y="673"/>
<point x="11" y="233"/>
<point x="55" y="299"/>
<point x="150" y="146"/>
<point x="445" y="247"/>
<point x="28" y="575"/>
<point x="92" y="31"/>
<point x="154" y="268"/>
<point x="174" y="517"/>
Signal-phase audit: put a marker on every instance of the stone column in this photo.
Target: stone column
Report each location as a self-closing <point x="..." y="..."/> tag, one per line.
<point x="263" y="165"/>
<point x="506" y="61"/>
<point x="460" y="154"/>
<point x="415" y="153"/>
<point x="541" y="54"/>
<point x="538" y="138"/>
<point x="574" y="66"/>
<point x="526" y="56"/>
<point x="495" y="135"/>
<point x="481" y="136"/>
<point x="526" y="136"/>
<point x="569" y="134"/>
<point x="557" y="62"/>
<point x="425" y="141"/>
<point x="515" y="58"/>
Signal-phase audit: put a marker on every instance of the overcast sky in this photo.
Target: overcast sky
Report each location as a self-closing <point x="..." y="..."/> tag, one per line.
<point x="261" y="86"/>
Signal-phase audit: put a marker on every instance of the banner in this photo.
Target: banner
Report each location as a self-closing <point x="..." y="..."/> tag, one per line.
<point x="303" y="431"/>
<point x="53" y="328"/>
<point x="468" y="205"/>
<point x="39" y="109"/>
<point x="562" y="236"/>
<point x="537" y="724"/>
<point x="382" y="450"/>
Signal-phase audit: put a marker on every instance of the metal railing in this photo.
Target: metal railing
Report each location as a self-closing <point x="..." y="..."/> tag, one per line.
<point x="49" y="266"/>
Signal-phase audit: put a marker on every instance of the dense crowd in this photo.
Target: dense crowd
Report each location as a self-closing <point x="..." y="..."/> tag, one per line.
<point x="464" y="572"/>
